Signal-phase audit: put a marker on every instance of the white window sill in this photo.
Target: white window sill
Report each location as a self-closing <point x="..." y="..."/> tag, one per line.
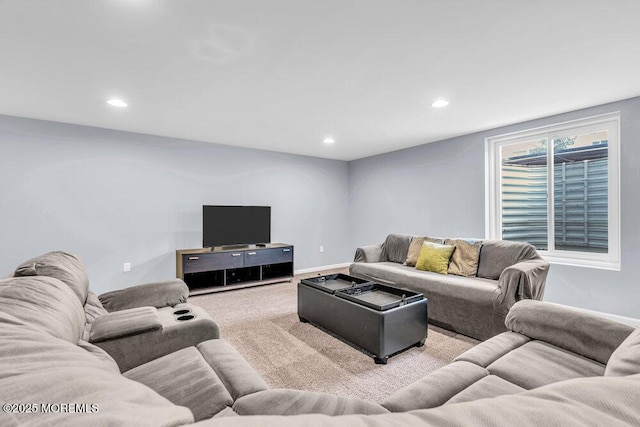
<point x="602" y="264"/>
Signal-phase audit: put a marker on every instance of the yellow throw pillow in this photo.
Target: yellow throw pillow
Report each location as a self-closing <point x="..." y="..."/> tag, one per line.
<point x="434" y="257"/>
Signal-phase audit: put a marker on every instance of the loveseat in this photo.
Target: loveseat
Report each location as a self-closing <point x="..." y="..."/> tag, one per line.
<point x="475" y="300"/>
<point x="554" y="367"/>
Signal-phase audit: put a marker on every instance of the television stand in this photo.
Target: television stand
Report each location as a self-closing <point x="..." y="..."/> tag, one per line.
<point x="206" y="270"/>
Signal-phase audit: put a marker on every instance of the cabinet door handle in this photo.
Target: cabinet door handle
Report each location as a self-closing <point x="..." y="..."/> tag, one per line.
<point x="286" y="250"/>
<point x="251" y="253"/>
<point x="236" y="254"/>
<point x="194" y="258"/>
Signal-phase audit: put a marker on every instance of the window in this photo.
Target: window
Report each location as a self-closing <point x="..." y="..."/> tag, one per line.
<point x="557" y="187"/>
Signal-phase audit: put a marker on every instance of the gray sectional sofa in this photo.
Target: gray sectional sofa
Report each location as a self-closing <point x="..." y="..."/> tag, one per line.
<point x="476" y="306"/>
<point x="125" y="357"/>
<point x="554" y="366"/>
<point x="545" y="344"/>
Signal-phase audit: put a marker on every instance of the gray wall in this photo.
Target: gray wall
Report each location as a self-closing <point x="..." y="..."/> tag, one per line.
<point x="438" y="189"/>
<point x="114" y="197"/>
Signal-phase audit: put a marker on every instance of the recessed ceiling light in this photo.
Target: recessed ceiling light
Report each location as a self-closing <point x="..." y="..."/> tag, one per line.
<point x="117" y="102"/>
<point x="328" y="140"/>
<point x="440" y="103"/>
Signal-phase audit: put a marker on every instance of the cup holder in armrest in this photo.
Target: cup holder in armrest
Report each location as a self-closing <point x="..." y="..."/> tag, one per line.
<point x="185" y="317"/>
<point x="182" y="311"/>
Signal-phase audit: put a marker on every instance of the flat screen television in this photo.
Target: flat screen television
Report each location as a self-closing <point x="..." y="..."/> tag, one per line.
<point x="235" y="225"/>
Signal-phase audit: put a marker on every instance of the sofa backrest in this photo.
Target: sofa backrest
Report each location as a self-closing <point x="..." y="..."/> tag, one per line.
<point x="583" y="333"/>
<point x="497" y="255"/>
<point x="61" y="265"/>
<point x="625" y="360"/>
<point x="44" y="303"/>
<point x="395" y="247"/>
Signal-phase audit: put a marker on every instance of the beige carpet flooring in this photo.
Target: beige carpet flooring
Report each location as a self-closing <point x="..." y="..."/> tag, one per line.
<point x="262" y="324"/>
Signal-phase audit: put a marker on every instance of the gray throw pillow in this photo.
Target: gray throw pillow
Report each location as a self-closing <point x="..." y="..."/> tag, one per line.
<point x="395" y="247"/>
<point x="414" y="249"/>
<point x="464" y="261"/>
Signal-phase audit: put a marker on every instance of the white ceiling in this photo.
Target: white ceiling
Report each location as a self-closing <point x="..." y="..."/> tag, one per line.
<point x="283" y="74"/>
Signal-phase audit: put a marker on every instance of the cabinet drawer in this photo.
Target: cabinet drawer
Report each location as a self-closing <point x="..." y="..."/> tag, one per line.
<point x="208" y="262"/>
<point x="268" y="256"/>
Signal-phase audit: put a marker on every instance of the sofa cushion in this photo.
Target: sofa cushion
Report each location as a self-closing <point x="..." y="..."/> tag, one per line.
<point x="496" y="255"/>
<point x="381" y="272"/>
<point x="625" y="360"/>
<point x="436" y="388"/>
<point x="487" y="352"/>
<point x="474" y="288"/>
<point x="295" y="402"/>
<point x="577" y="403"/>
<point x="44" y="303"/>
<point x="99" y="354"/>
<point x="61" y="265"/>
<point x="414" y="249"/>
<point x="583" y="333"/>
<point x="489" y="386"/>
<point x="186" y="379"/>
<point x="453" y="300"/>
<point x="538" y="363"/>
<point x="36" y="367"/>
<point x="98" y="399"/>
<point x="464" y="260"/>
<point x="395" y="247"/>
<point x="434" y="257"/>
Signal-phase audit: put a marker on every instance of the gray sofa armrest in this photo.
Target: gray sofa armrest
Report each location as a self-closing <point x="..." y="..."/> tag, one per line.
<point x="134" y="350"/>
<point x="157" y="294"/>
<point x="524" y="280"/>
<point x="371" y="253"/>
<point x="124" y="323"/>
<point x="583" y="333"/>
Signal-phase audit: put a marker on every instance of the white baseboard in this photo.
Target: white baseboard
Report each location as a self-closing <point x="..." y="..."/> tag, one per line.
<point x="622" y="319"/>
<point x="323" y="267"/>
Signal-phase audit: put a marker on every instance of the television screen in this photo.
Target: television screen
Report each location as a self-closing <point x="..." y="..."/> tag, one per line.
<point x="235" y="225"/>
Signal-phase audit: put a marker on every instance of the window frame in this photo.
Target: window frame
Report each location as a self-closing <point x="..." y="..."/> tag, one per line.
<point x="493" y="184"/>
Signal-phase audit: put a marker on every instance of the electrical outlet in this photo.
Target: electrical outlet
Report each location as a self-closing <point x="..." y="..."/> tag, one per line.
<point x="126" y="267"/>
<point x="321" y="248"/>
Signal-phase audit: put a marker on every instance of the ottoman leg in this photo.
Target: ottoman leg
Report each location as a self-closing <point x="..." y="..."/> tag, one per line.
<point x="380" y="360"/>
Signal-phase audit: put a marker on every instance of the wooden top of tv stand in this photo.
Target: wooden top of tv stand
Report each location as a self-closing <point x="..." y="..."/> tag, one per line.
<point x="233" y="248"/>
